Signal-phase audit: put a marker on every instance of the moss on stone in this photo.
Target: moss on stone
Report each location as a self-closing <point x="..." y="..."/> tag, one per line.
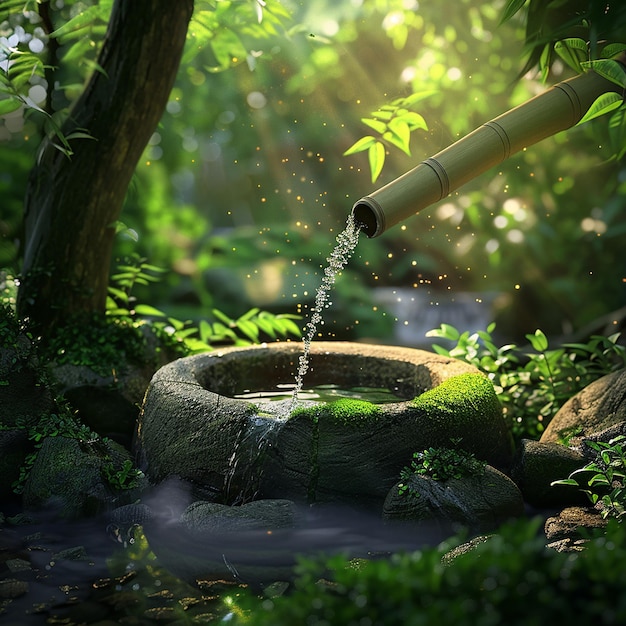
<point x="466" y="394"/>
<point x="346" y="410"/>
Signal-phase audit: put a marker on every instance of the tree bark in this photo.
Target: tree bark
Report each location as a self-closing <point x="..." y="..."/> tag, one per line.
<point x="72" y="204"/>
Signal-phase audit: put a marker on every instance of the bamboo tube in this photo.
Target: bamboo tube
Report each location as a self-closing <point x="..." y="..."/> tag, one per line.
<point x="560" y="107"/>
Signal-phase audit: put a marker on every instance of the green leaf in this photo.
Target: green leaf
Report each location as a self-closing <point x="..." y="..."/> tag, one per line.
<point x="222" y="317"/>
<point x="573" y="51"/>
<point x="9" y="105"/>
<point x="383" y="114"/>
<point x="538" y="341"/>
<point x="605" y="103"/>
<point x="359" y="146"/>
<point x="227" y="47"/>
<point x="288" y="326"/>
<point x="401" y="130"/>
<point x="82" y="20"/>
<point x="377" y="125"/>
<point x="249" y="329"/>
<point x="610" y="69"/>
<point x="512" y="7"/>
<point x="376" y="156"/>
<point x="613" y="49"/>
<point x="249" y="315"/>
<point x="266" y="326"/>
<point x="416" y="97"/>
<point x="415" y="121"/>
<point x="145" y="309"/>
<point x="564" y="481"/>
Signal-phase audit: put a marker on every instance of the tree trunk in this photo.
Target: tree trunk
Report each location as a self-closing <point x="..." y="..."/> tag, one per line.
<point x="72" y="204"/>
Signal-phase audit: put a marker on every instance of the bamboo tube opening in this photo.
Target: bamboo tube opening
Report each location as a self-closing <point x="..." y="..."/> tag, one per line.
<point x="559" y="108"/>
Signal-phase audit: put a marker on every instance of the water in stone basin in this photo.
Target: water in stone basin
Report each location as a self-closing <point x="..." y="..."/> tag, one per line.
<point x="320" y="393"/>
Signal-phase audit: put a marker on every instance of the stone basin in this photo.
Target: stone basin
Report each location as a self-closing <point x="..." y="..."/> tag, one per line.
<point x="233" y="451"/>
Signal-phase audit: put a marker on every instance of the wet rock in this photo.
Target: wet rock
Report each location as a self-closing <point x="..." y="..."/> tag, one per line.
<point x="12" y="588"/>
<point x="536" y="465"/>
<point x="597" y="407"/>
<point x="479" y="503"/>
<point x="243" y="543"/>
<point x="571" y="528"/>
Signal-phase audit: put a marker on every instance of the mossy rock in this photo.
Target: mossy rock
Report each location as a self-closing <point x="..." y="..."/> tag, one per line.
<point x="478" y="503"/>
<point x="68" y="478"/>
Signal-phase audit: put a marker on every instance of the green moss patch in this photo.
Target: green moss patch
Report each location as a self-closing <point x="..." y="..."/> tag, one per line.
<point x="466" y="394"/>
<point x="346" y="410"/>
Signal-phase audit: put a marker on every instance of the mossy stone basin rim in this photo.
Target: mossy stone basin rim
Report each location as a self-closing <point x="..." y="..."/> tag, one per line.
<point x="230" y="371"/>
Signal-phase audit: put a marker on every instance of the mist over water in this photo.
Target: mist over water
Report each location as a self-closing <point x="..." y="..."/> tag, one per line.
<point x="346" y="243"/>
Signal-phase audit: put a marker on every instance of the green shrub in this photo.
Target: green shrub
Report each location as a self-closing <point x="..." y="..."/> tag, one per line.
<point x="510" y="578"/>
<point x="441" y="464"/>
<point x="603" y="480"/>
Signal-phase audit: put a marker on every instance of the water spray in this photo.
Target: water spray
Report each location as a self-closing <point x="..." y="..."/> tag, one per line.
<point x="557" y="109"/>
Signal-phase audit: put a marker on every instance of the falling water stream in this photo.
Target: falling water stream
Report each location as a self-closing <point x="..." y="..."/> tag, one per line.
<point x="346" y="243"/>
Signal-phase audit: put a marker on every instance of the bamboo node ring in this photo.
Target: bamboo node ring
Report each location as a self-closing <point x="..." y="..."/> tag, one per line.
<point x="504" y="138"/>
<point x="441" y="173"/>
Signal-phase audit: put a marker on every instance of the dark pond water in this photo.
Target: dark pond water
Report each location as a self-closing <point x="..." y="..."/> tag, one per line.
<point x="71" y="574"/>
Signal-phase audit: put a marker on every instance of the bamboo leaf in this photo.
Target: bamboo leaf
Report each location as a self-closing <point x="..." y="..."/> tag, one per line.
<point x="605" y="103"/>
<point x="401" y="129"/>
<point x="377" y="125"/>
<point x="376" y="156"/>
<point x="359" y="146"/>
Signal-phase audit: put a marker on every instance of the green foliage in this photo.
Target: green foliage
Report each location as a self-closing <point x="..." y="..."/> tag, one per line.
<point x="509" y="578"/>
<point x="442" y="464"/>
<point x="603" y="480"/>
<point x="532" y="384"/>
<point x="231" y="29"/>
<point x="251" y="327"/>
<point x="104" y="344"/>
<point x="346" y="410"/>
<point x="394" y="123"/>
<point x="60" y="424"/>
<point x="122" y="478"/>
<point x="439" y="464"/>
